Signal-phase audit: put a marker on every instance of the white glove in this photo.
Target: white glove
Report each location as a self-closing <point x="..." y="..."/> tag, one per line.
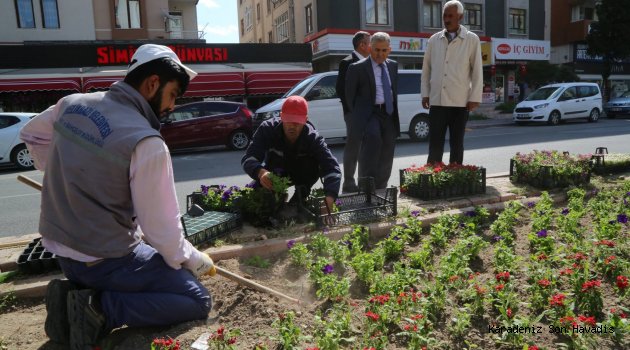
<point x="200" y="264"/>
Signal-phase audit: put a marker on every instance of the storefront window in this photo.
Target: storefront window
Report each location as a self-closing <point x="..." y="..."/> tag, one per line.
<point x="127" y="14"/>
<point x="433" y="14"/>
<point x="377" y="11"/>
<point x="50" y="13"/>
<point x="25" y="13"/>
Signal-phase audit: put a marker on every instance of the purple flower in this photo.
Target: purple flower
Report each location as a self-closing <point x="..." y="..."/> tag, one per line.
<point x="253" y="185"/>
<point x="325" y="230"/>
<point x="291" y="243"/>
<point x="628" y="194"/>
<point x="612" y="222"/>
<point x="226" y="195"/>
<point x="497" y="238"/>
<point x="396" y="238"/>
<point x="204" y="190"/>
<point x="565" y="211"/>
<point x="235" y="188"/>
<point x="462" y="225"/>
<point x="622" y="218"/>
<point x="347" y="243"/>
<point x="530" y="204"/>
<point x="222" y="187"/>
<point x="471" y="213"/>
<point x="328" y="269"/>
<point x="542" y="233"/>
<point x="338" y="202"/>
<point x="415" y="213"/>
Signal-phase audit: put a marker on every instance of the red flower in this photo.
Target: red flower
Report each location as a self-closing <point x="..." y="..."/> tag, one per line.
<point x="579" y="257"/>
<point x="372" y="315"/>
<point x="544" y="283"/>
<point x="499" y="287"/>
<point x="380" y="299"/>
<point x="566" y="272"/>
<point x="371" y="348"/>
<point x="607" y="243"/>
<point x="453" y="278"/>
<point x="557" y="300"/>
<point x="503" y="276"/>
<point x="609" y="259"/>
<point x="532" y="347"/>
<point x="541" y="257"/>
<point x="509" y="313"/>
<point x="589" y="320"/>
<point x="589" y="285"/>
<point x="622" y="282"/>
<point x="567" y="320"/>
<point x="314" y="348"/>
<point x="417" y="317"/>
<point x="480" y="290"/>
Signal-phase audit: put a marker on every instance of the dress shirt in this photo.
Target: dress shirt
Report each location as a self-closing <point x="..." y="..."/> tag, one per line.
<point x="380" y="97"/>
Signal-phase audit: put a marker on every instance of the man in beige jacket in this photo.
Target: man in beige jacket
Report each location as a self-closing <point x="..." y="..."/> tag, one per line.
<point x="452" y="82"/>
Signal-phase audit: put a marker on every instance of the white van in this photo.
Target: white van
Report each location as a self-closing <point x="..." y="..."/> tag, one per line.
<point x="326" y="113"/>
<point x="557" y="102"/>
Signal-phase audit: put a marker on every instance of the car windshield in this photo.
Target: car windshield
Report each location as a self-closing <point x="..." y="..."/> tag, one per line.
<point x="299" y="87"/>
<point x="543" y="93"/>
<point x="625" y="94"/>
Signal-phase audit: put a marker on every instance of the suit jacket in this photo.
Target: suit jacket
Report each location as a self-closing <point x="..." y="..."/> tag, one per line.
<point x="361" y="93"/>
<point x="341" y="79"/>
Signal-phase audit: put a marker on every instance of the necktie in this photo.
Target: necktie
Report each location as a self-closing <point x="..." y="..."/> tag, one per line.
<point x="387" y="91"/>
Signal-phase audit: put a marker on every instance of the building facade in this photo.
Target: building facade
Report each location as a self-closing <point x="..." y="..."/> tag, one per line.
<point x="568" y="45"/>
<point x="512" y="32"/>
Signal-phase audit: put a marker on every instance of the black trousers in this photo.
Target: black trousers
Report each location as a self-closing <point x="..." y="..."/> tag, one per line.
<point x="441" y="118"/>
<point x="350" y="152"/>
<point x="377" y="149"/>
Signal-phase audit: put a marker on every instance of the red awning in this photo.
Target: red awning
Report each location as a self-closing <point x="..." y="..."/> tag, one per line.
<point x="99" y="83"/>
<point x="216" y="84"/>
<point x="40" y="84"/>
<point x="273" y="83"/>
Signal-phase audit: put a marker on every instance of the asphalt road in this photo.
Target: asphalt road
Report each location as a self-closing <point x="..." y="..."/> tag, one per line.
<point x="491" y="147"/>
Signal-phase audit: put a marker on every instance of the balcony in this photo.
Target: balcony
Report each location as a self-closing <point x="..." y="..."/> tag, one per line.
<point x="187" y="35"/>
<point x="576" y="31"/>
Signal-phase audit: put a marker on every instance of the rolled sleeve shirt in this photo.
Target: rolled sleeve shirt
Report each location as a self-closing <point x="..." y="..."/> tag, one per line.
<point x="452" y="72"/>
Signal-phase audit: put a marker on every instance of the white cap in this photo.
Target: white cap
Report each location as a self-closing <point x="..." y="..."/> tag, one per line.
<point x="149" y="52"/>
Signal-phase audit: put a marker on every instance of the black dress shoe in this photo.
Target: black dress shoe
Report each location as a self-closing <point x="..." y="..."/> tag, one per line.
<point x="349" y="188"/>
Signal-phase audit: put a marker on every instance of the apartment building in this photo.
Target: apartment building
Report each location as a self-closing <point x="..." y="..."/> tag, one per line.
<point x="512" y="32"/>
<point x="568" y="44"/>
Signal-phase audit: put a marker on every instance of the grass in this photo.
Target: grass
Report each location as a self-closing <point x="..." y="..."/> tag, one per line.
<point x="7" y="276"/>
<point x="257" y="261"/>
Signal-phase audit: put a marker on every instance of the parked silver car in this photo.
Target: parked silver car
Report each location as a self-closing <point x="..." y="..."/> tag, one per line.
<point x="618" y="105"/>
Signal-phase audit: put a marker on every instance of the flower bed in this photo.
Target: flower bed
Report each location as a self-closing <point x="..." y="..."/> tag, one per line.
<point x="610" y="163"/>
<point x="550" y="169"/>
<point x="442" y="181"/>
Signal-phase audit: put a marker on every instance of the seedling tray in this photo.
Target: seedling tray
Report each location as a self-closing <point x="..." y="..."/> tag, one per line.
<point x="35" y="259"/>
<point x="426" y="190"/>
<point x="547" y="177"/>
<point x="356" y="208"/>
<point x="209" y="226"/>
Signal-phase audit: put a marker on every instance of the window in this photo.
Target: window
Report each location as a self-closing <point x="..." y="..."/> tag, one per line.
<point x="270" y="37"/>
<point x="324" y="89"/>
<point x="433" y="14"/>
<point x="127" y="14"/>
<point x="579" y="12"/>
<point x="472" y="16"/>
<point x="24" y="11"/>
<point x="242" y="27"/>
<point x="516" y="21"/>
<point x="258" y="12"/>
<point x="282" y="27"/>
<point x="50" y="13"/>
<point x="377" y="11"/>
<point x="569" y="94"/>
<point x="409" y="83"/>
<point x="248" y="18"/>
<point x="8" y="120"/>
<point x="308" y="12"/>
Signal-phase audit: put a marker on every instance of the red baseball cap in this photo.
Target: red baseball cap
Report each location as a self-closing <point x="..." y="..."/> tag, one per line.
<point x="294" y="110"/>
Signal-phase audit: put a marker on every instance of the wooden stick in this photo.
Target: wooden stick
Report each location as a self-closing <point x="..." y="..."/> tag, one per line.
<point x="225" y="273"/>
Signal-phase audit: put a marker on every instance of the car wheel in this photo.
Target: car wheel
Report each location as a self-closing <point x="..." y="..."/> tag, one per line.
<point x="594" y="116"/>
<point x="419" y="129"/>
<point x="21" y="157"/>
<point x="238" y="140"/>
<point x="554" y="118"/>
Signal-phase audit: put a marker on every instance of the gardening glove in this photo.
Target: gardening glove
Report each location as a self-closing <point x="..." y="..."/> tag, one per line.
<point x="201" y="264"/>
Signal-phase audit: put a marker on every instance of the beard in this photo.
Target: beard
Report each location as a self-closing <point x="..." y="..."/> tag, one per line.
<point x="156" y="103"/>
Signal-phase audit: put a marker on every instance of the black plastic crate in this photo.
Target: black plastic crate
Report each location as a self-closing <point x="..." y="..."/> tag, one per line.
<point x="547" y="177"/>
<point x="209" y="226"/>
<point x="362" y="207"/>
<point x="426" y="190"/>
<point x="36" y="259"/>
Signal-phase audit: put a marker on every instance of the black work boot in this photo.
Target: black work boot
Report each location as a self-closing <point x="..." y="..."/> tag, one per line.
<point x="57" y="327"/>
<point x="87" y="323"/>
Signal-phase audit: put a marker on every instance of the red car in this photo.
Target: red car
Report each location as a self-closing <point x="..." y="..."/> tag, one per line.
<point x="214" y="123"/>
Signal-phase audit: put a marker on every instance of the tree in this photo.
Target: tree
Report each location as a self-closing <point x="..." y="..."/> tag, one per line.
<point x="609" y="37"/>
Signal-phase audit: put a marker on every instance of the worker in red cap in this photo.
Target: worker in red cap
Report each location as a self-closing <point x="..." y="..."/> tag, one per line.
<point x="290" y="146"/>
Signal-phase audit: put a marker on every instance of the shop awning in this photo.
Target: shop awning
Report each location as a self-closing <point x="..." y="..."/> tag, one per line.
<point x="216" y="84"/>
<point x="40" y="84"/>
<point x="273" y="83"/>
<point x="99" y="83"/>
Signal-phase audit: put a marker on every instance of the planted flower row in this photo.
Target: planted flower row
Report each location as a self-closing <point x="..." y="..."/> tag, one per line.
<point x="432" y="181"/>
<point x="550" y="169"/>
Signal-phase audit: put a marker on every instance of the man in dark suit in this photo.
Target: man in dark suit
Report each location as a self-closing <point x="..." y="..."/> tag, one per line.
<point x="372" y="98"/>
<point x="361" y="44"/>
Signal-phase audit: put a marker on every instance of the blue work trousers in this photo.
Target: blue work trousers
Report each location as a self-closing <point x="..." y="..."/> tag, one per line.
<point x="140" y="289"/>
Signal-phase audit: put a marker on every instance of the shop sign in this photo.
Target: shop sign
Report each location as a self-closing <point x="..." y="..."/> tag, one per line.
<point x="488" y="97"/>
<point x="581" y="55"/>
<point x="520" y="49"/>
<point x="486" y="53"/>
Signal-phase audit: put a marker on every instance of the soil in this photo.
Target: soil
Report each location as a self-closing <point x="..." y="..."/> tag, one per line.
<point x="235" y="307"/>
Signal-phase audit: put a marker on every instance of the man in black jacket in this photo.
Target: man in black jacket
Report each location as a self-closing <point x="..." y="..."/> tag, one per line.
<point x="361" y="44"/>
<point x="371" y="90"/>
<point x="291" y="145"/>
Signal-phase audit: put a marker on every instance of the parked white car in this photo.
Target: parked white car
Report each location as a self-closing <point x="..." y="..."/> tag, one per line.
<point x="326" y="113"/>
<point x="12" y="149"/>
<point x="558" y="102"/>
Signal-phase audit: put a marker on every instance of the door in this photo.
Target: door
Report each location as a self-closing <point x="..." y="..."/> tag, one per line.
<point x="175" y="25"/>
<point x="219" y="121"/>
<point x="182" y="128"/>
<point x="324" y="109"/>
<point x="589" y="99"/>
<point x="569" y="103"/>
<point x="8" y="133"/>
